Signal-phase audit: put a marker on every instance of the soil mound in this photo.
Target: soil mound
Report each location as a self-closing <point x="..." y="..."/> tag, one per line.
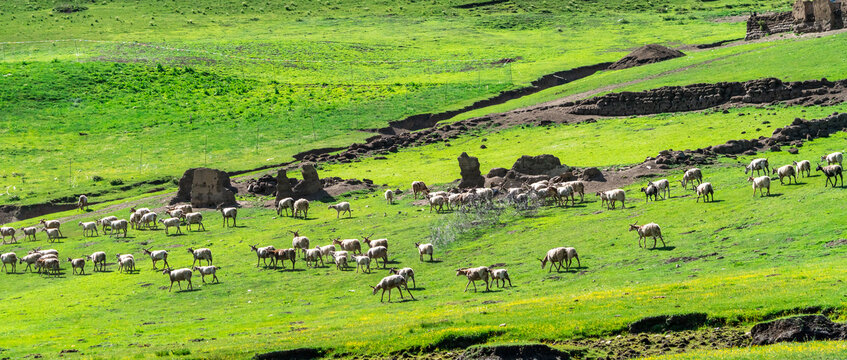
<point x="796" y="329"/>
<point x="646" y="54"/>
<point x="524" y="352"/>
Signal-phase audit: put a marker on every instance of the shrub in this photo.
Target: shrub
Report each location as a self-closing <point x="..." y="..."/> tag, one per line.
<point x="96" y="178"/>
<point x="69" y="8"/>
<point x="116" y="182"/>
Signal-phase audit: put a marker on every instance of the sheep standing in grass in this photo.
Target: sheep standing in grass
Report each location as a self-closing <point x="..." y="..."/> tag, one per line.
<point x="786" y="171"/>
<point x="649" y="230"/>
<point x="604" y="198"/>
<point x="126" y="262"/>
<point x="578" y="188"/>
<point x="263" y="253"/>
<point x="833" y="173"/>
<point x="562" y="194"/>
<point x="761" y="183"/>
<point x="169" y="223"/>
<point x="326" y="250"/>
<point x="301" y="206"/>
<point x="313" y="256"/>
<point x="437" y="203"/>
<point x="406" y="273"/>
<point x="158" y="255"/>
<point x="98" y="258"/>
<point x="613" y="196"/>
<point x="178" y="276"/>
<point x="200" y="255"/>
<point x="207" y="270"/>
<point x="53" y="224"/>
<point x="135" y="218"/>
<point x="390" y="282"/>
<point x="106" y="222"/>
<point x="89" y="228"/>
<point x="82" y="203"/>
<point x="140" y="211"/>
<point x="650" y="191"/>
<point x="501" y="275"/>
<point x="77" y="264"/>
<point x="285" y="204"/>
<point x="50" y="266"/>
<point x="363" y="262"/>
<point x="175" y="214"/>
<point x="389" y="196"/>
<point x="148" y="220"/>
<point x="118" y="225"/>
<point x="664" y="187"/>
<point x="299" y="242"/>
<point x="705" y="190"/>
<point x="758" y="165"/>
<point x="185" y="208"/>
<point x="30" y="259"/>
<point x="7" y="231"/>
<point x="801" y="166"/>
<point x="341" y="208"/>
<point x="351" y="245"/>
<point x="424" y="249"/>
<point x="419" y="187"/>
<point x="379" y="252"/>
<point x="29" y="232"/>
<point x="10" y="259"/>
<point x="280" y="255"/>
<point x="375" y="242"/>
<point x="834" y="158"/>
<point x="481" y="273"/>
<point x="228" y="213"/>
<point x="341" y="262"/>
<point x="194" y="218"/>
<point x="52" y="234"/>
<point x="558" y="256"/>
<point x="690" y="176"/>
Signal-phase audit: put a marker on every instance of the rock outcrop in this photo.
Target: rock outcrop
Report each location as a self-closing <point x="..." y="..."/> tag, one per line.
<point x="205" y="188"/>
<point x="469" y="168"/>
<point x="796" y="329"/>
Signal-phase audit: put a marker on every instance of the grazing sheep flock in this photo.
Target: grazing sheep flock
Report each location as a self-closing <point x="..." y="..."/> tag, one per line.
<point x="342" y="252"/>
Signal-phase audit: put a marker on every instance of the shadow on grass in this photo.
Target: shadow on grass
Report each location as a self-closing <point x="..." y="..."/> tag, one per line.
<point x="193" y="289"/>
<point x="664" y="248"/>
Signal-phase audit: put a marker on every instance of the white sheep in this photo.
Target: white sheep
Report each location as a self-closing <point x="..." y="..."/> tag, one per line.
<point x="8" y="231"/>
<point x="106" y="222"/>
<point x="758" y="165"/>
<point x="761" y="183"/>
<point x="801" y="166"/>
<point x="286" y="203"/>
<point x="613" y="196"/>
<point x="419" y="187"/>
<point x="28" y="232"/>
<point x="228" y="213"/>
<point x="455" y="201"/>
<point x="175" y="213"/>
<point x="313" y="256"/>
<point x="207" y="270"/>
<point x="263" y="253"/>
<point x="484" y="194"/>
<point x="169" y="223"/>
<point x="786" y="171"/>
<point x="341" y="262"/>
<point x="140" y="211"/>
<point x="158" y="255"/>
<point x="135" y="220"/>
<point x="379" y="252"/>
<point x="52" y="234"/>
<point x="185" y="208"/>
<point x="833" y="173"/>
<point x="390" y="282"/>
<point x="664" y="187"/>
<point x="351" y="245"/>
<point x="501" y="275"/>
<point x="98" y="257"/>
<point x="604" y="198"/>
<point x="126" y="262"/>
<point x="690" y="176"/>
<point x="341" y="208"/>
<point x="194" y="218"/>
<point x="119" y="225"/>
<point x="578" y="188"/>
<point x="53" y="224"/>
<point x="363" y="262"/>
<point x="424" y="249"/>
<point x="562" y="194"/>
<point x="558" y="256"/>
<point x="326" y="250"/>
<point x="89" y="227"/>
<point x="376" y="242"/>
<point x="301" y="206"/>
<point x="148" y="219"/>
<point x="30" y="259"/>
<point x="299" y="242"/>
<point x="705" y="190"/>
<point x="200" y="255"/>
<point x="437" y="202"/>
<point x="406" y="273"/>
<point x="77" y="264"/>
<point x="11" y="259"/>
<point x="834" y="158"/>
<point x="49" y="265"/>
<point x="389" y="196"/>
<point x="481" y="273"/>
<point x="179" y="276"/>
<point x="648" y="230"/>
<point x="82" y="202"/>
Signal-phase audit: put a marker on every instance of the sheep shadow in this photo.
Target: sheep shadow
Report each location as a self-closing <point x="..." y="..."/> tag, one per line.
<point x="105" y="271"/>
<point x="86" y="274"/>
<point x="663" y="248"/>
<point x="436" y="261"/>
<point x="420" y="288"/>
<point x="176" y="234"/>
<point x="402" y="300"/>
<point x="290" y="270"/>
<point x="16" y="273"/>
<point x="193" y="289"/>
<point x="774" y="195"/>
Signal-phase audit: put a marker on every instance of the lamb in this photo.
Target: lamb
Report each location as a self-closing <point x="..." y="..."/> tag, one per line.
<point x="650" y="191"/>
<point x="135" y="220"/>
<point x="52" y="224"/>
<point x="649" y="230"/>
<point x="207" y="270"/>
<point x="118" y="225"/>
<point x="280" y="255"/>
<point x="801" y="166"/>
<point x="82" y="203"/>
<point x="158" y="255"/>
<point x="475" y="274"/>
<point x="614" y="196"/>
<point x="833" y="173"/>
<point x="326" y="250"/>
<point x="194" y="218"/>
<point x="406" y="273"/>
<point x="52" y="234"/>
<point x="390" y="282"/>
<point x="263" y="253"/>
<point x="690" y="176"/>
<point x="313" y="256"/>
<point x="200" y="255"/>
<point x="424" y="249"/>
<point x="9" y="258"/>
<point x="351" y="245"/>
<point x="29" y="231"/>
<point x="7" y="231"/>
<point x="379" y="252"/>
<point x="705" y="189"/>
<point x="301" y="206"/>
<point x="760" y="164"/>
<point x="29" y="260"/>
<point x="98" y="258"/>
<point x="106" y="222"/>
<point x="341" y="262"/>
<point x="287" y="203"/>
<point x="89" y="227"/>
<point x="437" y="203"/>
<point x="340" y="208"/>
<point x="363" y="262"/>
<point x="172" y="222"/>
<point x="175" y="214"/>
<point x="834" y="158"/>
<point x="299" y="242"/>
<point x="501" y="275"/>
<point x="228" y="213"/>
<point x="179" y="276"/>
<point x="761" y="183"/>
<point x="604" y="198"/>
<point x="663" y="185"/>
<point x="419" y="187"/>
<point x="148" y="219"/>
<point x="562" y="194"/>
<point x="373" y="243"/>
<point x="126" y="262"/>
<point x="389" y="196"/>
<point x="77" y="264"/>
<point x="49" y="265"/>
<point x="786" y="171"/>
<point x="559" y="255"/>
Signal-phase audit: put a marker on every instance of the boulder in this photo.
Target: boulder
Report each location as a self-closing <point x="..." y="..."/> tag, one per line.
<point x="265" y="185"/>
<point x="592" y="174"/>
<point x="469" y="168"/>
<point x="205" y="188"/>
<point x="539" y="165"/>
<point x="496" y="172"/>
<point x="284" y="187"/>
<point x="796" y="329"/>
<point x="311" y="183"/>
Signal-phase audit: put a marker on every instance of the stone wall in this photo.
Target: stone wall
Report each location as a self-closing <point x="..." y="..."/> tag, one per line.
<point x="759" y="26"/>
<point x="205" y="188"/>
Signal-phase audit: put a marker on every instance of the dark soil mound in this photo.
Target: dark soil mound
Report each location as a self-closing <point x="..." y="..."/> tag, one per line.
<point x="516" y="352"/>
<point x="798" y="328"/>
<point x="662" y="323"/>
<point x="293" y="354"/>
<point x="646" y="54"/>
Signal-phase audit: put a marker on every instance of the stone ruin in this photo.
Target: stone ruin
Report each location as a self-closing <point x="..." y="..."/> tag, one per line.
<point x="529" y="169"/>
<point x="205" y="188"/>
<point x="469" y="168"/>
<point x="805" y="17"/>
